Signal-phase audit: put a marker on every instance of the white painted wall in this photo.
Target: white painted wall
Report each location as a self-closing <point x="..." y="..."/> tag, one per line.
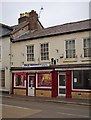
<point x="56" y="42"/>
<point x="5" y="61"/>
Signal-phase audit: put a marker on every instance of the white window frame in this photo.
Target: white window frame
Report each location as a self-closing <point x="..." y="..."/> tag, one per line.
<point x="86" y="48"/>
<point x="20" y="86"/>
<point x="70" y="49"/>
<point x="44" y="52"/>
<point x="31" y="59"/>
<point x="42" y="87"/>
<point x="73" y="89"/>
<point x="2" y="78"/>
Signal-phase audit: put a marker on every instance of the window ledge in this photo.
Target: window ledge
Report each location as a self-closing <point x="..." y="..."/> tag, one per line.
<point x="86" y="59"/>
<point x="70" y="60"/>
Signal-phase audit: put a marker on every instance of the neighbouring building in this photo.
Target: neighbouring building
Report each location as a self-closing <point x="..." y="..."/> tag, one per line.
<point x="27" y="22"/>
<point x="54" y="61"/>
<point x="5" y="80"/>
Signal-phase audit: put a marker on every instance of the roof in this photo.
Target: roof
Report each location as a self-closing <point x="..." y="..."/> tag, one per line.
<point x="19" y="26"/>
<point x="5" y="26"/>
<point x="56" y="30"/>
<point x="5" y="30"/>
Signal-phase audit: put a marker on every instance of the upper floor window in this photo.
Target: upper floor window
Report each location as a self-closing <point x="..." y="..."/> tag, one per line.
<point x="30" y="53"/>
<point x="45" y="51"/>
<point x="2" y="78"/>
<point x="70" y="48"/>
<point x="87" y="47"/>
<point x="0" y="52"/>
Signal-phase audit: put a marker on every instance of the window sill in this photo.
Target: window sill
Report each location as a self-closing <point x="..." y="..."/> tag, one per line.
<point x="86" y="59"/>
<point x="19" y="87"/>
<point x="69" y="60"/>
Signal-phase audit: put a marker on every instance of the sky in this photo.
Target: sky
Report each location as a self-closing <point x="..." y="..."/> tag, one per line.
<point x="54" y="12"/>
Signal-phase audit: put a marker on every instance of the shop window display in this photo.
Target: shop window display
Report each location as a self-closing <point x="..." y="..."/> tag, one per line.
<point x="19" y="81"/>
<point x="44" y="80"/>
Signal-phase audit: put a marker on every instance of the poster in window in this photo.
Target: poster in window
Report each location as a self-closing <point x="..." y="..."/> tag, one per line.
<point x="45" y="80"/>
<point x="75" y="80"/>
<point x="19" y="81"/>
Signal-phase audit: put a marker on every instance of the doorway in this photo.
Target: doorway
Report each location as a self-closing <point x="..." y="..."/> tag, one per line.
<point x="31" y="88"/>
<point x="62" y="84"/>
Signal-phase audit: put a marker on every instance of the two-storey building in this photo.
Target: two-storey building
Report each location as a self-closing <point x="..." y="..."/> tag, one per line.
<point x="5" y="80"/>
<point x="54" y="61"/>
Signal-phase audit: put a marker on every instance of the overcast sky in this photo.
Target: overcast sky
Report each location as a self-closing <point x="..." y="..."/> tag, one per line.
<point x="53" y="13"/>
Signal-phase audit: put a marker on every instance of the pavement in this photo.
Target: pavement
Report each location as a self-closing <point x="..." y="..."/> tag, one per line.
<point x="61" y="100"/>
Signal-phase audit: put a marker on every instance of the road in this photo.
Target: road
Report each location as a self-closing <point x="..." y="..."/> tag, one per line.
<point x="15" y="108"/>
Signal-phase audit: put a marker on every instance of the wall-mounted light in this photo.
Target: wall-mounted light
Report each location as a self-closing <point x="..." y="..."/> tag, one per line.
<point x="57" y="50"/>
<point x="6" y="67"/>
<point x="61" y="55"/>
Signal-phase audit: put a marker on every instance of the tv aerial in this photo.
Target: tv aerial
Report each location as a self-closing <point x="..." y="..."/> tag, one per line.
<point x="40" y="11"/>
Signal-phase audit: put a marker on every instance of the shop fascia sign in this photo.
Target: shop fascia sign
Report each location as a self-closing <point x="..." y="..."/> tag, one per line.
<point x="35" y="65"/>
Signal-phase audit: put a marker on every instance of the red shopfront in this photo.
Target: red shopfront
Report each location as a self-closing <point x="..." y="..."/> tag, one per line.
<point x="46" y="83"/>
<point x="72" y="81"/>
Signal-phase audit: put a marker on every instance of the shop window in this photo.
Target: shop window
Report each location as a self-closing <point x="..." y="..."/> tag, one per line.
<point x="19" y="81"/>
<point x="44" y="80"/>
<point x="2" y="78"/>
<point x="82" y="79"/>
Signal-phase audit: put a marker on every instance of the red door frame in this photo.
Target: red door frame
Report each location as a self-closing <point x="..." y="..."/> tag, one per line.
<point x="68" y="84"/>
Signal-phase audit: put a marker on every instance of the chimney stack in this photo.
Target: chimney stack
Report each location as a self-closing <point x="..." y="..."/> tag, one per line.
<point x="31" y="17"/>
<point x="33" y="20"/>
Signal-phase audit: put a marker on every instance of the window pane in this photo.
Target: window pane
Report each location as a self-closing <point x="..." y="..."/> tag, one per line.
<point x="62" y="91"/>
<point x="82" y="79"/>
<point x="19" y="81"/>
<point x="70" y="48"/>
<point x="30" y="53"/>
<point x="44" y="51"/>
<point x="2" y="78"/>
<point x="87" y="47"/>
<point x="44" y="80"/>
<point x="61" y="80"/>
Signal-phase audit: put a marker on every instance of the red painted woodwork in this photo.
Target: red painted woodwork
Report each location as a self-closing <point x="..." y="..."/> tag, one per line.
<point x="26" y="84"/>
<point x="68" y="84"/>
<point x="12" y="83"/>
<point x="24" y="74"/>
<point x="54" y="84"/>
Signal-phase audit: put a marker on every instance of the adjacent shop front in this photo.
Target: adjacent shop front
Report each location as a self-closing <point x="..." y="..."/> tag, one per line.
<point x="32" y="81"/>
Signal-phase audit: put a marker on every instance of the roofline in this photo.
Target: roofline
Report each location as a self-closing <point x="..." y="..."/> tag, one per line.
<point x="9" y="27"/>
<point x="6" y="35"/>
<point x="57" y="34"/>
<point x="71" y="23"/>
